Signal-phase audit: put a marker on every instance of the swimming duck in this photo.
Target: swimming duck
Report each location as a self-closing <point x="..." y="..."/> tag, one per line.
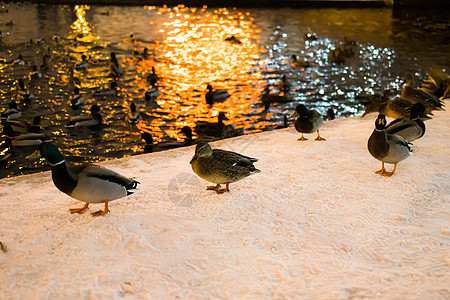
<point x="23" y="126"/>
<point x="234" y="40"/>
<point x="267" y="98"/>
<point x="89" y="183"/>
<point x="81" y="65"/>
<point x="387" y="148"/>
<point x="133" y="116"/>
<point x="112" y="90"/>
<point x="152" y="77"/>
<point x="296" y="63"/>
<point x="219" y="129"/>
<point x="430" y="101"/>
<point x="411" y="128"/>
<point x="94" y="121"/>
<point x="77" y="100"/>
<point x="35" y="74"/>
<point x="19" y="61"/>
<point x="221" y="166"/>
<point x="22" y="140"/>
<point x="23" y="94"/>
<point x="115" y="69"/>
<point x="218" y="95"/>
<point x="308" y="121"/>
<point x="284" y="85"/>
<point x="396" y="108"/>
<point x="152" y="93"/>
<point x="151" y="147"/>
<point x="12" y="113"/>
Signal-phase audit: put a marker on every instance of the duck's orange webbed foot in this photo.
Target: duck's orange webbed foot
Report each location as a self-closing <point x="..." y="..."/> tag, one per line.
<point x="79" y="210"/>
<point x="225" y="190"/>
<point x="101" y="212"/>
<point x="213" y="187"/>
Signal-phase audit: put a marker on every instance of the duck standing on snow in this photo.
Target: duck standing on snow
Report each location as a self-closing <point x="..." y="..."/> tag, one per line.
<point x="308" y="121"/>
<point x="221" y="166"/>
<point x="411" y="128"/>
<point x="387" y="148"/>
<point x="89" y="183"/>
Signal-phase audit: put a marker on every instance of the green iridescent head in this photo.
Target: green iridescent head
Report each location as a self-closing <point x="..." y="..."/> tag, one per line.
<point x="48" y="151"/>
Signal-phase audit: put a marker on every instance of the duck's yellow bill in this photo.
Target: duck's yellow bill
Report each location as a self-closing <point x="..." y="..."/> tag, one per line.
<point x="34" y="156"/>
<point x="294" y="115"/>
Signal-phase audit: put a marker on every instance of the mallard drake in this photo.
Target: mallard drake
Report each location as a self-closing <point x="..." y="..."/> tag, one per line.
<point x="94" y="121"/>
<point x="12" y="113"/>
<point x="115" y="69"/>
<point x="234" y="40"/>
<point x="221" y="166"/>
<point x="77" y="100"/>
<point x="387" y="148"/>
<point x="430" y="101"/>
<point x="89" y="183"/>
<point x="20" y="127"/>
<point x="81" y="65"/>
<point x="396" y="108"/>
<point x="112" y="90"/>
<point x="308" y="121"/>
<point x="411" y="128"/>
<point x="22" y="140"/>
<point x="297" y="63"/>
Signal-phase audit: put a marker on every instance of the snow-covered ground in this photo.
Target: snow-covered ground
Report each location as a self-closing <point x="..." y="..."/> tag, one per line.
<point x="316" y="223"/>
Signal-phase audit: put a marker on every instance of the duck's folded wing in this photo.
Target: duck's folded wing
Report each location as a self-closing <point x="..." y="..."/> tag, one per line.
<point x="108" y="175"/>
<point x="234" y="158"/>
<point x="398" y="125"/>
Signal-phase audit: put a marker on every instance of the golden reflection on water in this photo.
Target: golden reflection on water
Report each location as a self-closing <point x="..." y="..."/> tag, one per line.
<point x="192" y="53"/>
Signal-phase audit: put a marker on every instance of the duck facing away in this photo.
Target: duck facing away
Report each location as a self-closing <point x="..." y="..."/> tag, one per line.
<point x="387" y="148"/>
<point x="411" y="128"/>
<point x="89" y="183"/>
<point x="396" y="108"/>
<point x="308" y="121"/>
<point x="221" y="166"/>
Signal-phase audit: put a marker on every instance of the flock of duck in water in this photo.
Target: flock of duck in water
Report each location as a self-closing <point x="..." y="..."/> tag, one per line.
<point x="389" y="143"/>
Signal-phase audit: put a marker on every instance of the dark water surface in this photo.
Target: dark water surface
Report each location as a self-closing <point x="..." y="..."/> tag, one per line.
<point x="187" y="47"/>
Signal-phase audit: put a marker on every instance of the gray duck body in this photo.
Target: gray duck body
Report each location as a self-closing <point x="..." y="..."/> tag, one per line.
<point x="388" y="148"/>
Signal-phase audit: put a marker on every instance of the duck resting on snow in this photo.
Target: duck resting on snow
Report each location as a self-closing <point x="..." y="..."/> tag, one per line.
<point x="221" y="166"/>
<point x="89" y="183"/>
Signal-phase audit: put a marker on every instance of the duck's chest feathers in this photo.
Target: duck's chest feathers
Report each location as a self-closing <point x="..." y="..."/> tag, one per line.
<point x="378" y="146"/>
<point x="305" y="125"/>
<point x="62" y="179"/>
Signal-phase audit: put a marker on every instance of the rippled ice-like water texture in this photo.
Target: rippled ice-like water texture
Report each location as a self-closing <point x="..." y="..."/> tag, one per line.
<point x="187" y="47"/>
